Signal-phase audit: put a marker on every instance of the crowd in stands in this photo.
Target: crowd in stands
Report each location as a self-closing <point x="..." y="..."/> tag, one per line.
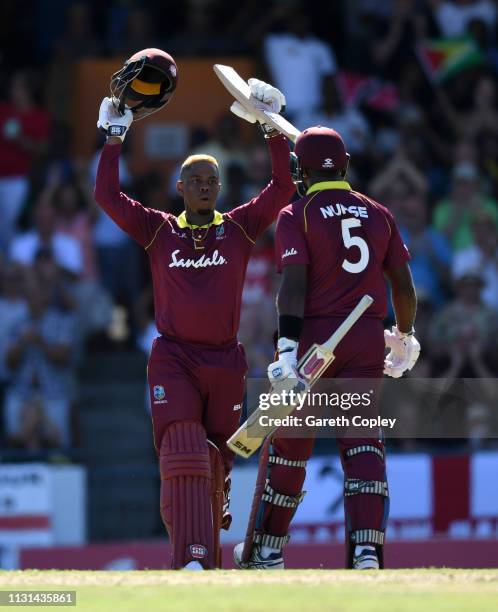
<point x="72" y="282"/>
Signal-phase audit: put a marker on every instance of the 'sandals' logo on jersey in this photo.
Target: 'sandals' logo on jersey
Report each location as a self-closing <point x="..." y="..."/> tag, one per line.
<point x="289" y="252"/>
<point x="337" y="210"/>
<point x="203" y="262"/>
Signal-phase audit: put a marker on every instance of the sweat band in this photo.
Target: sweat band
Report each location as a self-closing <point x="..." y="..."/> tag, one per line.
<point x="289" y="326"/>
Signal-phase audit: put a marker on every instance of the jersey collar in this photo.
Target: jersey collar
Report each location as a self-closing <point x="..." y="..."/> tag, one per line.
<point x="183" y="223"/>
<point x="329" y="185"/>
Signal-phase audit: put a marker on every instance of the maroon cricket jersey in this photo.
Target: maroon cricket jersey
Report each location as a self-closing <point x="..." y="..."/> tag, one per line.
<point x="347" y="240"/>
<point x="197" y="286"/>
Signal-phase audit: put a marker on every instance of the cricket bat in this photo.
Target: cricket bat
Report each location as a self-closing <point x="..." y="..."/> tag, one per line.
<point x="251" y="434"/>
<point x="240" y="90"/>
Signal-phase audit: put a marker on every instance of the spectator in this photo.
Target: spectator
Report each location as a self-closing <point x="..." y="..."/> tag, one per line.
<point x="348" y="121"/>
<point x="235" y="190"/>
<point x="482" y="256"/>
<point x="464" y="334"/>
<point x="429" y="250"/>
<point x="24" y="134"/>
<point x="452" y="217"/>
<point x="40" y="356"/>
<point x="297" y="62"/>
<point x="66" y="250"/>
<point x="138" y="32"/>
<point x="76" y="215"/>
<point x="13" y="308"/>
<point x="118" y="258"/>
<point x="226" y="145"/>
<point x="36" y="431"/>
<point x="395" y="48"/>
<point x="454" y="16"/>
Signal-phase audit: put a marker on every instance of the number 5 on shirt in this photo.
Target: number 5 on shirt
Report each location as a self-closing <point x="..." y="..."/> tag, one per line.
<point x="354" y="241"/>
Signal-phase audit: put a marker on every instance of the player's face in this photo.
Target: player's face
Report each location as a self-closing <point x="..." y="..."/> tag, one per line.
<point x="200" y="187"/>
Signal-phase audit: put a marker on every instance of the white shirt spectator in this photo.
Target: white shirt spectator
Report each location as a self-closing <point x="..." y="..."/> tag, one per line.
<point x="66" y="250"/>
<point x="350" y="124"/>
<point x="453" y="19"/>
<point x="297" y="66"/>
<point x="472" y="258"/>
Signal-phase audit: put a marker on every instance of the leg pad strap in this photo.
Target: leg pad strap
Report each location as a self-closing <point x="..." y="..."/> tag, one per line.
<point x="357" y="486"/>
<point x="273" y="459"/>
<point x="279" y="499"/>
<point x="367" y="536"/>
<point x="265" y="539"/>
<point x="364" y="448"/>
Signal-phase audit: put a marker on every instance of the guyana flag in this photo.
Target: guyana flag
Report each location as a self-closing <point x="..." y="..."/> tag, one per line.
<point x="443" y="58"/>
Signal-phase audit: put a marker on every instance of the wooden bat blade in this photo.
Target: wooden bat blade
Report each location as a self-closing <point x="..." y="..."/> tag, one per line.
<point x="240" y="90"/>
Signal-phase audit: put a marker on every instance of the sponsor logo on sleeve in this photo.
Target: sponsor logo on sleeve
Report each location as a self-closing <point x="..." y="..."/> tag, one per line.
<point x="237" y="407"/>
<point x="159" y="394"/>
<point x="203" y="262"/>
<point x="289" y="252"/>
<point x="337" y="210"/>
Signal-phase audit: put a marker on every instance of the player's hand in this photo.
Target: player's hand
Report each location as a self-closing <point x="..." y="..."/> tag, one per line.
<point x="111" y="122"/>
<point x="265" y="96"/>
<point x="283" y="374"/>
<point x="404" y="352"/>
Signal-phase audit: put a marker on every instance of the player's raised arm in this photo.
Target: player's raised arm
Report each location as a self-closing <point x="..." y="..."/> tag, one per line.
<point x="262" y="210"/>
<point x="145" y="83"/>
<point x="139" y="222"/>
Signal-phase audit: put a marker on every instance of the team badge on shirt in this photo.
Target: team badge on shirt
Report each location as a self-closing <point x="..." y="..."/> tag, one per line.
<point x="198" y="551"/>
<point x="220" y="232"/>
<point x="159" y="395"/>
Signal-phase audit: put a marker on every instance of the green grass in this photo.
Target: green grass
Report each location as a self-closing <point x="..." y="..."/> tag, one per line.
<point x="431" y="590"/>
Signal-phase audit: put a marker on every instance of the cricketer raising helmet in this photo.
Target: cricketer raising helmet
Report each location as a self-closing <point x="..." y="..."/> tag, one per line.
<point x="146" y="82"/>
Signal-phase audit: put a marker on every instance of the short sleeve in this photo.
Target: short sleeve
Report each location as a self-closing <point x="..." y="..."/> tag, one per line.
<point x="290" y="242"/>
<point x="397" y="252"/>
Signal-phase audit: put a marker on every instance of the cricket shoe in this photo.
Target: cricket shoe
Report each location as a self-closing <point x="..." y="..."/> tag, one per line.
<point x="365" y="558"/>
<point x="257" y="560"/>
<point x="194" y="566"/>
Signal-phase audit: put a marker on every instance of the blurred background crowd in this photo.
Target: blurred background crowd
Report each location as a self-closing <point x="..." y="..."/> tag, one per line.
<point x="419" y="118"/>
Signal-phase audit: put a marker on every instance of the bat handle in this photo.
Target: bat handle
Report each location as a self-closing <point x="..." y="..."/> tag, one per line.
<point x="351" y="319"/>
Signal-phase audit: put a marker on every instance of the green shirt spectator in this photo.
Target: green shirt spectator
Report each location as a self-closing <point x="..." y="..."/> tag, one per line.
<point x="453" y="216"/>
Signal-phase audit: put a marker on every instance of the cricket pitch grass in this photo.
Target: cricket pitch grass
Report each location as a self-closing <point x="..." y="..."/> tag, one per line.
<point x="425" y="590"/>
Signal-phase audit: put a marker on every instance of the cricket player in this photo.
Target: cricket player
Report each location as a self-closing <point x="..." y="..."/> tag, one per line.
<point x="196" y="371"/>
<point x="333" y="246"/>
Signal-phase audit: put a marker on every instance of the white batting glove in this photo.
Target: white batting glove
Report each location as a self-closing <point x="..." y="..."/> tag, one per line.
<point x="283" y="374"/>
<point x="265" y="96"/>
<point x="111" y="122"/>
<point x="404" y="352"/>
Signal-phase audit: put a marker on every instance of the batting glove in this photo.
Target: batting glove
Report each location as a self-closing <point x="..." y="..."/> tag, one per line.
<point x="404" y="352"/>
<point x="283" y="374"/>
<point x="265" y="96"/>
<point x="111" y="121"/>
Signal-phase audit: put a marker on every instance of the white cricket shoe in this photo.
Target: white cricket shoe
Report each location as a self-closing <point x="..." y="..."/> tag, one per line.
<point x="257" y="561"/>
<point x="365" y="558"/>
<point x="193" y="566"/>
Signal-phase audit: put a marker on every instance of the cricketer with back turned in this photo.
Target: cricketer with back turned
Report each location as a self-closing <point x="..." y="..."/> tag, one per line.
<point x="333" y="246"/>
<point x="197" y="368"/>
